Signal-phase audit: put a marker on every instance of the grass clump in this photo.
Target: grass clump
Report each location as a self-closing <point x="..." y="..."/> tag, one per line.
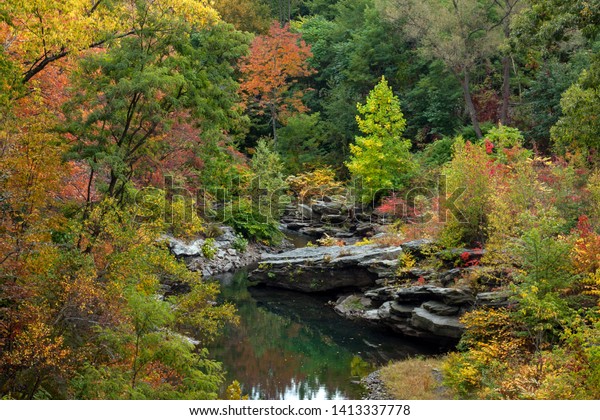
<point x="415" y="379"/>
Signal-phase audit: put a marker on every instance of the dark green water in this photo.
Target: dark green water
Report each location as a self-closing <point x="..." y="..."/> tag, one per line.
<point x="294" y="346"/>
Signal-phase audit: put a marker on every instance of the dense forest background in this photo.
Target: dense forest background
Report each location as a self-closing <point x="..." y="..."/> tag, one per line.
<point x="114" y="110"/>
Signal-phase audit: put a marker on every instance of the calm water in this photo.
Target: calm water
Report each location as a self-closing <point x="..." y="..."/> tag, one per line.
<point x="294" y="346"/>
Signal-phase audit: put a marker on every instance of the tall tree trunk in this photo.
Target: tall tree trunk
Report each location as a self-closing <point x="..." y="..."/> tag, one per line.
<point x="465" y="82"/>
<point x="113" y="183"/>
<point x="505" y="78"/>
<point x="505" y="90"/>
<point x="274" y="123"/>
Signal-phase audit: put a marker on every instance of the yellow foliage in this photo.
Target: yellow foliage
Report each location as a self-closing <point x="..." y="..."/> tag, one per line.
<point x="329" y="241"/>
<point x="591" y="284"/>
<point x="234" y="392"/>
<point x="36" y="347"/>
<point x="46" y="28"/>
<point x="316" y="184"/>
<point x="406" y="261"/>
<point x="363" y="242"/>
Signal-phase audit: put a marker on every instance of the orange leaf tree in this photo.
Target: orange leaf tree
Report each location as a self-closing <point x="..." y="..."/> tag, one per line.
<point x="269" y="71"/>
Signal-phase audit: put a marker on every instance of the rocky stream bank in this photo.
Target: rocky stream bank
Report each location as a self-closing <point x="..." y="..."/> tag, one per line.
<point x="372" y="285"/>
<point x="372" y="282"/>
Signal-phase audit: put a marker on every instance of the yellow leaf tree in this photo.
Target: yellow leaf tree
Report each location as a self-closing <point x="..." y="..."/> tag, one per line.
<point x="381" y="159"/>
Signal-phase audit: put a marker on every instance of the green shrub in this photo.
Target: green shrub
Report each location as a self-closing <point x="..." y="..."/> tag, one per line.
<point x="468" y="132"/>
<point x="176" y="215"/>
<point x="267" y="187"/>
<point x="209" y="249"/>
<point x="505" y="137"/>
<point x="437" y="153"/>
<point x="251" y="223"/>
<point x="240" y="243"/>
<point x="468" y="178"/>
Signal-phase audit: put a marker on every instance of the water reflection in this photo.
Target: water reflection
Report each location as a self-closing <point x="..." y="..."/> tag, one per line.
<point x="293" y="346"/>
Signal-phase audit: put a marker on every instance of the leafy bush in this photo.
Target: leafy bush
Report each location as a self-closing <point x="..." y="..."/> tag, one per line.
<point x="578" y="127"/>
<point x="248" y="220"/>
<point x="504" y="137"/>
<point x="315" y="184"/>
<point x="176" y="215"/>
<point x="547" y="275"/>
<point x="469" y="178"/>
<point x="488" y="345"/>
<point x="267" y="187"/>
<point x="209" y="250"/>
<point x="437" y="153"/>
<point x="240" y="243"/>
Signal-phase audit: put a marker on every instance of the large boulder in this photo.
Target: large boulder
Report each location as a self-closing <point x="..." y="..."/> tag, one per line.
<point x="448" y="295"/>
<point x="444" y="326"/>
<point x="225" y="258"/>
<point x="497" y="299"/>
<point x="315" y="232"/>
<point x="365" y="229"/>
<point x="334" y="218"/>
<point x="182" y="249"/>
<point x="294" y="225"/>
<point x="439" y="308"/>
<point x="352" y="306"/>
<point x="324" y="268"/>
<point x="323" y="207"/>
<point x="400" y="310"/>
<point x="305" y="211"/>
<point x="382" y="294"/>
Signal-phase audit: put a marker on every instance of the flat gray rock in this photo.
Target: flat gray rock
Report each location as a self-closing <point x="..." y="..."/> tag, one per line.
<point x="439" y="308"/>
<point x="403" y="311"/>
<point x="443" y="326"/>
<point x="324" y="268"/>
<point x="498" y="299"/>
<point x="448" y="295"/>
<point x="182" y="249"/>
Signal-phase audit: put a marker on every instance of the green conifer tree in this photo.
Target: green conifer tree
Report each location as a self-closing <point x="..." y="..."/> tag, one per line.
<point x="381" y="159"/>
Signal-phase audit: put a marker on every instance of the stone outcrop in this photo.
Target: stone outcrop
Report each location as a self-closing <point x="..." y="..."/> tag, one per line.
<point x="439" y="325"/>
<point x="499" y="299"/>
<point x="226" y="258"/>
<point x="332" y="216"/>
<point x="321" y="269"/>
<point x="420" y="301"/>
<point x="423" y="311"/>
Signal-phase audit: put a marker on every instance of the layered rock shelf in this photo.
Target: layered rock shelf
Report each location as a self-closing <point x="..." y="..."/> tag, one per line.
<point x="322" y="269"/>
<point x="226" y="257"/>
<point x="333" y="217"/>
<point x="420" y="301"/>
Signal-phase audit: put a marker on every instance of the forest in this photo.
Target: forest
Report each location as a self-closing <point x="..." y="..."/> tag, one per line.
<point x="473" y="123"/>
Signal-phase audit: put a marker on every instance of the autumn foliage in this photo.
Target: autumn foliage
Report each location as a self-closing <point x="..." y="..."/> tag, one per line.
<point x="81" y="256"/>
<point x="124" y="122"/>
<point x="274" y="63"/>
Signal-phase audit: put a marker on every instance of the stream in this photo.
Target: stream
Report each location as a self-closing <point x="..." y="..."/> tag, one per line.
<point x="291" y="345"/>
